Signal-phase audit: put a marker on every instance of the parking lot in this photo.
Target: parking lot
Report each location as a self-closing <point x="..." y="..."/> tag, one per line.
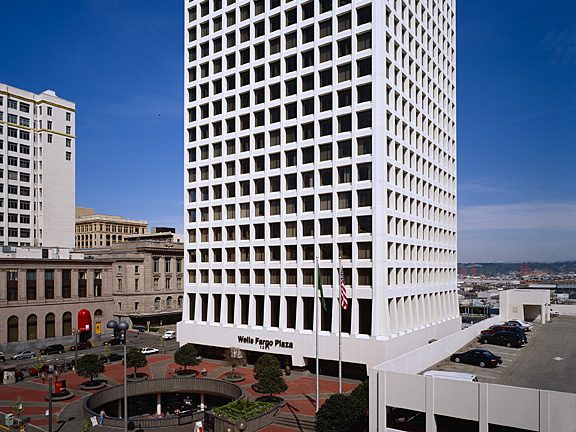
<point x="547" y="362"/>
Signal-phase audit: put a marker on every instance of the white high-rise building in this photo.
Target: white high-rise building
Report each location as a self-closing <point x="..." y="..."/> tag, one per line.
<point x="320" y="128"/>
<point x="37" y="158"/>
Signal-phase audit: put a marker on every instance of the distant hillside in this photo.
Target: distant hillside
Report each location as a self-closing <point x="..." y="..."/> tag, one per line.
<point x="492" y="269"/>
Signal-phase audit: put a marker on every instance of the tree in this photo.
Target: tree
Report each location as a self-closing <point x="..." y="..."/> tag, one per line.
<point x="186" y="355"/>
<point x="89" y="367"/>
<point x="234" y="358"/>
<point x="340" y="413"/>
<point x="263" y="361"/>
<point x="271" y="381"/>
<point x="135" y="359"/>
<point x="107" y="352"/>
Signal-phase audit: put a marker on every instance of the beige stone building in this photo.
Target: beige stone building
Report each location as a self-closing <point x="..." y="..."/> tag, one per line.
<point x="95" y="230"/>
<point x="42" y="291"/>
<point x="148" y="277"/>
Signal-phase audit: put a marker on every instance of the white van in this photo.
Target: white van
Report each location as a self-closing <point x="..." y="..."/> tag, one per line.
<point x="459" y="376"/>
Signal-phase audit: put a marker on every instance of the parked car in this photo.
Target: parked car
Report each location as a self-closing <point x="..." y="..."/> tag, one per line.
<point x="81" y="346"/>
<point x="114" y="341"/>
<point x="22" y="355"/>
<point x="510" y="339"/>
<point x="2" y="358"/>
<point x="148" y="350"/>
<point x="111" y="358"/>
<point x="169" y="334"/>
<point x="502" y="328"/>
<point x="53" y="349"/>
<point x="140" y="328"/>
<point x="478" y="357"/>
<point x="526" y="326"/>
<point x="554" y="313"/>
<point x="34" y="371"/>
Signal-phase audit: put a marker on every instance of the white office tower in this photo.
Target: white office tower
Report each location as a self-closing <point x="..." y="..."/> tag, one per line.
<point x="320" y="129"/>
<point x="37" y="174"/>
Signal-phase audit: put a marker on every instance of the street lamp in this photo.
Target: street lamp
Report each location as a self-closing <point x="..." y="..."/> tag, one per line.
<point x="122" y="326"/>
<point x="51" y="374"/>
<point x="75" y="331"/>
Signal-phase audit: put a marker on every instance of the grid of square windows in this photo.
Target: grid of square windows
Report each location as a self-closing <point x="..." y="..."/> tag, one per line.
<point x="280" y="142"/>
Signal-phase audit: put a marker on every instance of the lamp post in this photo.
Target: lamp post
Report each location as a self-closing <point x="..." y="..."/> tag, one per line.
<point x="51" y="374"/>
<point x="75" y="331"/>
<point x="122" y="326"/>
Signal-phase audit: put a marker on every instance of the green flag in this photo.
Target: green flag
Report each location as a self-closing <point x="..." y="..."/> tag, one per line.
<point x="319" y="287"/>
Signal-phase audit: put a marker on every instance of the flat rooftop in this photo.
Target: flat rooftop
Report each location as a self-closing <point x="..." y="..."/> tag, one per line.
<point x="547" y="362"/>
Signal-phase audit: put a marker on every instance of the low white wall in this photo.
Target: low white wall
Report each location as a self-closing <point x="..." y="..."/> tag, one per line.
<point x="516" y="407"/>
<point x="564" y="309"/>
<point x="422" y="358"/>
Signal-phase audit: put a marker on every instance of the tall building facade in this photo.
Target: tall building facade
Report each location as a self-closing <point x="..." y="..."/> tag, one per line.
<point x="37" y="167"/>
<point x="320" y="130"/>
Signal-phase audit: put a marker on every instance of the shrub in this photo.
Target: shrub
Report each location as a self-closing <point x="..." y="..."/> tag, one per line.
<point x="186" y="355"/>
<point x="340" y="413"/>
<point x="89" y="367"/>
<point x="263" y="361"/>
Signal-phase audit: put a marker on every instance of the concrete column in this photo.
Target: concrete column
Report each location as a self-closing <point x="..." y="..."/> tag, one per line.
<point x="430" y="421"/>
<point x="120" y="411"/>
<point x="22" y="285"/>
<point x="355" y="317"/>
<point x="74" y="276"/>
<point x="483" y="407"/>
<point x="57" y="284"/>
<point x="90" y="283"/>
<point x="283" y="315"/>
<point x="300" y="314"/>
<point x="251" y="310"/>
<point x="543" y="314"/>
<point x="545" y="411"/>
<point x="267" y="312"/>
<point x="40" y="286"/>
<point x="3" y="283"/>
<point x="158" y="403"/>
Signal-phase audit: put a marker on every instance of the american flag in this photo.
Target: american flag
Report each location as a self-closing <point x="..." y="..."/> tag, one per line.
<point x="343" y="296"/>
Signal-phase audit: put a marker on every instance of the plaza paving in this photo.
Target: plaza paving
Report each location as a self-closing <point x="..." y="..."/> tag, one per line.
<point x="300" y="396"/>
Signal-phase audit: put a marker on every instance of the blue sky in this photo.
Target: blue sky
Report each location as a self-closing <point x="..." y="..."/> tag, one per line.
<point x="121" y="61"/>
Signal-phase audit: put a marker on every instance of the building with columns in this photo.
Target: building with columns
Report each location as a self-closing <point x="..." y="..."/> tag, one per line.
<point x="320" y="132"/>
<point x="147" y="277"/>
<point x="41" y="292"/>
<point x="94" y="230"/>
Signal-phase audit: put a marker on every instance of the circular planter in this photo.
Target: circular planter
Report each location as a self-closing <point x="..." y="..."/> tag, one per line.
<point x="255" y="388"/>
<point x="139" y="377"/>
<point x="234" y="378"/>
<point x="191" y="373"/>
<point x="93" y="385"/>
<point x="62" y="396"/>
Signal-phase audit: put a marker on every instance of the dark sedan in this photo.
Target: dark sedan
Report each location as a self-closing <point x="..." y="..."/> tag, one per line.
<point x="81" y="346"/>
<point x="477" y="357"/>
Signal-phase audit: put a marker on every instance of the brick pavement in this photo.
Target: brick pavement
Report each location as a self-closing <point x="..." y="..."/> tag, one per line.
<point x="300" y="396"/>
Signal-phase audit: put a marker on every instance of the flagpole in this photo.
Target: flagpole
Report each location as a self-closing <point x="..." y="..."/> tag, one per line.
<point x="316" y="302"/>
<point x="339" y="327"/>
